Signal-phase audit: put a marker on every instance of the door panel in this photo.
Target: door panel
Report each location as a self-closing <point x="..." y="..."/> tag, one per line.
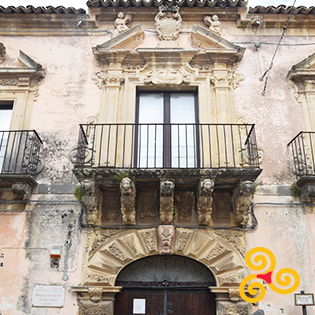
<point x="190" y="303"/>
<point x="177" y="302"/>
<point x="153" y="306"/>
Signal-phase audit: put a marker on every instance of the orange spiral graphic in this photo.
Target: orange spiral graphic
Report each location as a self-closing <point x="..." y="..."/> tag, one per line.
<point x="263" y="260"/>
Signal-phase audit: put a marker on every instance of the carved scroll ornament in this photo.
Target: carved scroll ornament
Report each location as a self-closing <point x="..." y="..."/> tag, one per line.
<point x="168" y="76"/>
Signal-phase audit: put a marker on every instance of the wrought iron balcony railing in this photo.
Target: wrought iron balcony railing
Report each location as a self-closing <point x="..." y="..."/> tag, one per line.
<point x="19" y="152"/>
<point x="167" y="146"/>
<point x="302" y="147"/>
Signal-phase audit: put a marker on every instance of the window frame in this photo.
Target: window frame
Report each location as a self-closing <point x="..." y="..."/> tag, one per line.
<point x="167" y="126"/>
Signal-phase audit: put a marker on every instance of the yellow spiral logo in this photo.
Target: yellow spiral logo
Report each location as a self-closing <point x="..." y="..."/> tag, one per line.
<point x="263" y="260"/>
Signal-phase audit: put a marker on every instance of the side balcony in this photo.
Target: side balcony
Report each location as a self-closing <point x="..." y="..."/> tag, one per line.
<point x="182" y="174"/>
<point x="302" y="148"/>
<point x="19" y="162"/>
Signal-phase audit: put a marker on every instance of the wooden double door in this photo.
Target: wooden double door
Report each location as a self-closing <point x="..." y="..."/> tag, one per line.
<point x="165" y="302"/>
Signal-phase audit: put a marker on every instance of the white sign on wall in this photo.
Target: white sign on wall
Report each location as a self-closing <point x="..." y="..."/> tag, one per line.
<point x="48" y="295"/>
<point x="138" y="306"/>
<point x="304" y="299"/>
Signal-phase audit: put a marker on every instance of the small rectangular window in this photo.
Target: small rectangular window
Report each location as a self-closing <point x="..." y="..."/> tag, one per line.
<point x="6" y="108"/>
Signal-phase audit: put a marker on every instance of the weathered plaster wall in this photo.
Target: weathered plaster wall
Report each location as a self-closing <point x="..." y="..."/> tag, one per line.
<point x="26" y="240"/>
<point x="284" y="228"/>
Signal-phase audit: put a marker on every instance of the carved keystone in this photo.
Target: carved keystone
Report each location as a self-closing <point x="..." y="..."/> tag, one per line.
<point x="166" y="202"/>
<point x="166" y="236"/>
<point x="22" y="191"/>
<point x="90" y="201"/>
<point x="241" y="201"/>
<point x="204" y="204"/>
<point x="128" y="198"/>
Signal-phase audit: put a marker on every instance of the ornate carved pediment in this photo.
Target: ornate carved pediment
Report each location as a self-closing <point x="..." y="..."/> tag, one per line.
<point x="214" y="44"/>
<point x="304" y="68"/>
<point x="303" y="76"/>
<point x="30" y="75"/>
<point x="129" y="39"/>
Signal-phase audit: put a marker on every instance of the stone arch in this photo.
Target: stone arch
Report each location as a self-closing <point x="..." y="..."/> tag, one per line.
<point x="205" y="246"/>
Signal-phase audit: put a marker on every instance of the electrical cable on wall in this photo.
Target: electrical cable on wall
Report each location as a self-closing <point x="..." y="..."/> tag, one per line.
<point x="265" y="75"/>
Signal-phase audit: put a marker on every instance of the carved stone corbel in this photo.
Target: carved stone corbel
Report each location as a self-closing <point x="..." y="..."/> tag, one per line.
<point x="204" y="203"/>
<point x="241" y="201"/>
<point x="166" y="202"/>
<point x="234" y="295"/>
<point x="22" y="191"/>
<point x="90" y="201"/>
<point x="166" y="236"/>
<point x="306" y="184"/>
<point x="95" y="293"/>
<point x="2" y="52"/>
<point x="128" y="198"/>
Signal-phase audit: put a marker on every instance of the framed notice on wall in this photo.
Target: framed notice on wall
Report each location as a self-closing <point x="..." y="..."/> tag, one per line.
<point x="48" y="296"/>
<point x="138" y="306"/>
<point x="304" y="299"/>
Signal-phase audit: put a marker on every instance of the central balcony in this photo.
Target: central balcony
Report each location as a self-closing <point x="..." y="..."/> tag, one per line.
<point x="182" y="174"/>
<point x="167" y="146"/>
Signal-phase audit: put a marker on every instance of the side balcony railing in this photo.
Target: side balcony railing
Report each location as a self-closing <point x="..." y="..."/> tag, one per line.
<point x="19" y="152"/>
<point x="167" y="146"/>
<point x="302" y="147"/>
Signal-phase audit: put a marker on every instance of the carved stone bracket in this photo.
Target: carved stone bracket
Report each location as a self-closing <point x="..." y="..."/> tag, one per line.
<point x="166" y="201"/>
<point x="128" y="198"/>
<point x="204" y="204"/>
<point x="90" y="201"/>
<point x="22" y="191"/>
<point x="2" y="52"/>
<point x="166" y="235"/>
<point x="241" y="201"/>
<point x="307" y="186"/>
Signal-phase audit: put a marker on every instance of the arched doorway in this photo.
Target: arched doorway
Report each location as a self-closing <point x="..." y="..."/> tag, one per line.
<point x="165" y="285"/>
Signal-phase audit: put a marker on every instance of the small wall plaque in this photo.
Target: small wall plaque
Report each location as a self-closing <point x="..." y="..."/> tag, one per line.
<point x="304" y="299"/>
<point x="48" y="296"/>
